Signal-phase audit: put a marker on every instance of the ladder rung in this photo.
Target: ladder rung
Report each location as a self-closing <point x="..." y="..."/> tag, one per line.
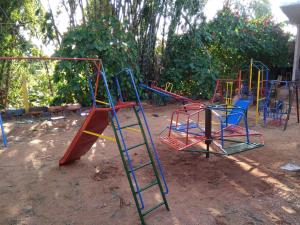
<point x="129" y="125"/>
<point x="153" y="208"/>
<point x="135" y="146"/>
<point x="148" y="186"/>
<point x="140" y="166"/>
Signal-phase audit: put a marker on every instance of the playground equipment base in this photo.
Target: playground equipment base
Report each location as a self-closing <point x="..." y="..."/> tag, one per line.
<point x="240" y="147"/>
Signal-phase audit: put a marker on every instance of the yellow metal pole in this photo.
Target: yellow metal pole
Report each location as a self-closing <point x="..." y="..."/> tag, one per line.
<point x="239" y="81"/>
<point x="25" y="93"/>
<point x="100" y="135"/>
<point x="250" y="79"/>
<point x="257" y="98"/>
<point x="231" y="87"/>
<point x="104" y="103"/>
<point x="262" y="80"/>
<point x="226" y="96"/>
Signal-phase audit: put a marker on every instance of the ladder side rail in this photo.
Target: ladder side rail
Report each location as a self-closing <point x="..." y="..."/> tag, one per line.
<point x="126" y="170"/>
<point x="151" y="159"/>
<point x="129" y="72"/>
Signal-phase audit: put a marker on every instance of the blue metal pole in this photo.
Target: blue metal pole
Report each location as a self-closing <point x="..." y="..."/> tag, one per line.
<point x="3" y="133"/>
<point x="222" y="133"/>
<point x="149" y="133"/>
<point x="92" y="92"/>
<point x="246" y="127"/>
<point x="119" y="88"/>
<point x="266" y="97"/>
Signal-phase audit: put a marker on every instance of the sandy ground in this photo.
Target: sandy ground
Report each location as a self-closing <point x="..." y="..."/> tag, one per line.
<point x="248" y="188"/>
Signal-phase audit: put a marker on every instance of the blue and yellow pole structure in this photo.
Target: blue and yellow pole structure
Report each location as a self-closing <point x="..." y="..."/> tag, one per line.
<point x="266" y="95"/>
<point x="257" y="98"/>
<point x="250" y="77"/>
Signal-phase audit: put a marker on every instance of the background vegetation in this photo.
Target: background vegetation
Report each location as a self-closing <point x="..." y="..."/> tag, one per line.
<point x="163" y="40"/>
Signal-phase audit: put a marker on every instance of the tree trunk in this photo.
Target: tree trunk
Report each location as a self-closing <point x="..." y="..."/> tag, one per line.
<point x="57" y="33"/>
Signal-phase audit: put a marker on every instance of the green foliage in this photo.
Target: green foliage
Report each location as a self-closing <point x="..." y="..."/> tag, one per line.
<point x="219" y="48"/>
<point x="189" y="66"/>
<point x="104" y="39"/>
<point x="37" y="78"/>
<point x="19" y="19"/>
<point x="237" y="39"/>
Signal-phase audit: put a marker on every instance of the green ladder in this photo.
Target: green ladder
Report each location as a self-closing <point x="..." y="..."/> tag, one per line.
<point x="136" y="190"/>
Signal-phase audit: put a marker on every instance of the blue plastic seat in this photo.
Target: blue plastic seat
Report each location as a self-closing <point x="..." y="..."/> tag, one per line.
<point x="237" y="112"/>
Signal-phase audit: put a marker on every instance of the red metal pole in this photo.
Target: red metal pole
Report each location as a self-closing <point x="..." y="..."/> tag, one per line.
<point x="98" y="67"/>
<point x="171" y="124"/>
<point x="49" y="58"/>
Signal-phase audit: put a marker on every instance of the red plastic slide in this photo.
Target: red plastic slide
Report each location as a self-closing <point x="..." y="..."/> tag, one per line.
<point x="96" y="122"/>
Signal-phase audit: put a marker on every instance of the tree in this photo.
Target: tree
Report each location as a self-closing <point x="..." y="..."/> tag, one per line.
<point x="237" y="39"/>
<point x="105" y="39"/>
<point x="18" y="20"/>
<point x="191" y="67"/>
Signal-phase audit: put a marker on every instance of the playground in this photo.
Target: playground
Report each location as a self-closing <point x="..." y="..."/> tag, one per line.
<point x="149" y="112"/>
<point x="247" y="188"/>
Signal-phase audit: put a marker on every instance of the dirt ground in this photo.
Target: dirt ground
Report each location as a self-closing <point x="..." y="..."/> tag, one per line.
<point x="248" y="188"/>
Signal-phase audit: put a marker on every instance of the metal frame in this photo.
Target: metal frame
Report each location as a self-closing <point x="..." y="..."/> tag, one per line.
<point x="229" y="82"/>
<point x="277" y="113"/>
<point x="261" y="67"/>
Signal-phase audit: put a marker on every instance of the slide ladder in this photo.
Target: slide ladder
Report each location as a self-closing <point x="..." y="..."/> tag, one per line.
<point x="152" y="161"/>
<point x="3" y="133"/>
<point x="127" y="156"/>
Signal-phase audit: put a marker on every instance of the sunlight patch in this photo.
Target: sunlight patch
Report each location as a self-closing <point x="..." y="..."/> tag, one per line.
<point x="93" y="152"/>
<point x="264" y="176"/>
<point x="36" y="141"/>
<point x="288" y="209"/>
<point x="214" y="212"/>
